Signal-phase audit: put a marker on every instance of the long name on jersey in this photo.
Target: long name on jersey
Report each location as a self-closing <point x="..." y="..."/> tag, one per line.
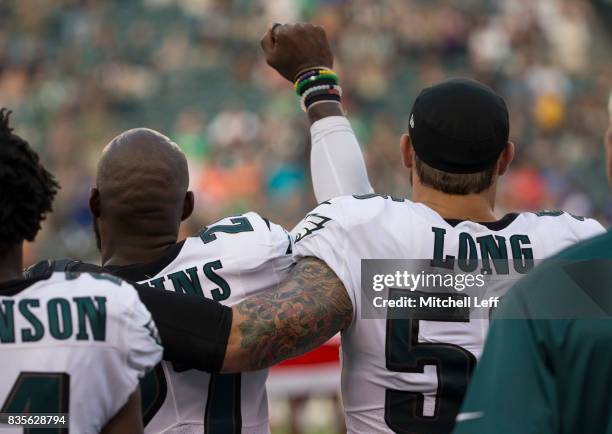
<point x="410" y="375"/>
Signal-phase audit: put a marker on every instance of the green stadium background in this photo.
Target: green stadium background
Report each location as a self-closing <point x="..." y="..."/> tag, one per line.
<point x="77" y="73"/>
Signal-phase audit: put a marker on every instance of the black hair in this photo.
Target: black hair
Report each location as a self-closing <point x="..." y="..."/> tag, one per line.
<point x="27" y="189"/>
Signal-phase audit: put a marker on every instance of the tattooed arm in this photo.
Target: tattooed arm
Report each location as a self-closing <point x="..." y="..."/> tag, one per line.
<point x="310" y="307"/>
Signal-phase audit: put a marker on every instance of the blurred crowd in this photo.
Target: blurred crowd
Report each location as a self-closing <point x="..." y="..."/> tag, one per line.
<point x="78" y="72"/>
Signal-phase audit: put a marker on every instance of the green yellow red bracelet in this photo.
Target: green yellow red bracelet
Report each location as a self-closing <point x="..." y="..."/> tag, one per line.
<point x="317" y="85"/>
<point x="314" y="77"/>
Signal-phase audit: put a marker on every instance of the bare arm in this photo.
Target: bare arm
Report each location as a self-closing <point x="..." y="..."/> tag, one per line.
<point x="310" y="307"/>
<point x="128" y="419"/>
<point x="321" y="111"/>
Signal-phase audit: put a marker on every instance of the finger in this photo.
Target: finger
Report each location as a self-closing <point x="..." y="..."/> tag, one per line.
<point x="275" y="28"/>
<point x="320" y="30"/>
<point x="267" y="42"/>
<point x="281" y="31"/>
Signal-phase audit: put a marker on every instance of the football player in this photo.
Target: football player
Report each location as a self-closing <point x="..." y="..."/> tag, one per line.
<point x="141" y="197"/>
<point x="405" y="375"/>
<point x="73" y="344"/>
<point x="399" y="375"/>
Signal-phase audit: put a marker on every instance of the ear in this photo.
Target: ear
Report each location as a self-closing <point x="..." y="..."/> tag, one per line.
<point x="94" y="202"/>
<point x="188" y="205"/>
<point x="505" y="158"/>
<point x="407" y="151"/>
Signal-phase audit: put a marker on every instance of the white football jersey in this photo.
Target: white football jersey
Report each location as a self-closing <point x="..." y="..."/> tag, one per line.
<point x="73" y="343"/>
<point x="410" y="375"/>
<point x="227" y="262"/>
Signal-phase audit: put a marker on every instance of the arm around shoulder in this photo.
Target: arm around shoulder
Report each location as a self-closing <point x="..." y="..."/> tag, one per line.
<point x="310" y="307"/>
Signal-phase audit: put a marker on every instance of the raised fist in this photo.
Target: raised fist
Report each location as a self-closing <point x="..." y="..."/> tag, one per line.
<point x="292" y="48"/>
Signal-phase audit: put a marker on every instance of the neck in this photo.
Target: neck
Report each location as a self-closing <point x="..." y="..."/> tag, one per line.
<point x="474" y="207"/>
<point x="11" y="263"/>
<point x="128" y="250"/>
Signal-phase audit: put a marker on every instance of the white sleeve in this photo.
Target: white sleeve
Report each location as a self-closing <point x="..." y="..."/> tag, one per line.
<point x="145" y="349"/>
<point x="281" y="250"/>
<point x="140" y="348"/>
<point x="336" y="161"/>
<point x="321" y="234"/>
<point x="584" y="228"/>
<point x="143" y="345"/>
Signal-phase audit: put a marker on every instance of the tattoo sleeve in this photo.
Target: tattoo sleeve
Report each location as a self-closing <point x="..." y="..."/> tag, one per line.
<point x="310" y="307"/>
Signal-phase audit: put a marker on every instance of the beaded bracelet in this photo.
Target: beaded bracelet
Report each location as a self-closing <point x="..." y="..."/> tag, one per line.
<point x="317" y="85"/>
<point x="327" y="96"/>
<point x="316" y="80"/>
<point x="326" y="90"/>
<point x="310" y="72"/>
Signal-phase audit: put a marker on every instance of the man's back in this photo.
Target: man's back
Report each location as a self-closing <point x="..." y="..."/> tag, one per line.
<point x="410" y="375"/>
<point x="227" y="262"/>
<point x="548" y="353"/>
<point x="77" y="343"/>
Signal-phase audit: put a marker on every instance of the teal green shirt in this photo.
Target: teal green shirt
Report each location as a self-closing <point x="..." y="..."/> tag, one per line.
<point x="547" y="364"/>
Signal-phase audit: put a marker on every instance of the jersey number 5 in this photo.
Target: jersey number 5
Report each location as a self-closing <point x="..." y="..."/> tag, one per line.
<point x="405" y="411"/>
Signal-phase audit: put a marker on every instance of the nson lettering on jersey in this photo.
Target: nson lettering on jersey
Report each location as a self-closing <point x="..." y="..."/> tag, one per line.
<point x="31" y="319"/>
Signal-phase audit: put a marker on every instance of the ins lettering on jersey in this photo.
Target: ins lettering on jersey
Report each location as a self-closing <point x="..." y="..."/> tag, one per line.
<point x="189" y="281"/>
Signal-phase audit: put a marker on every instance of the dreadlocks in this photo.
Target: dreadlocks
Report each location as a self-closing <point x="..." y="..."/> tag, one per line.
<point x="27" y="189"/>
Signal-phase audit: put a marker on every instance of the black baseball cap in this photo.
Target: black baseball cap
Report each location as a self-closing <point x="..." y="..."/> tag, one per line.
<point x="459" y="126"/>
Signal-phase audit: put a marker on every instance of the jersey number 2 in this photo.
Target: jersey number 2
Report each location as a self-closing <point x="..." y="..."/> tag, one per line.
<point x="39" y="392"/>
<point x="222" y="414"/>
<point x="239" y="224"/>
<point x="405" y="410"/>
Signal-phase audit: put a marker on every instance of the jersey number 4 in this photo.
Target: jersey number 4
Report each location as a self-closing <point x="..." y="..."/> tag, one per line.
<point x="39" y="392"/>
<point x="405" y="411"/>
